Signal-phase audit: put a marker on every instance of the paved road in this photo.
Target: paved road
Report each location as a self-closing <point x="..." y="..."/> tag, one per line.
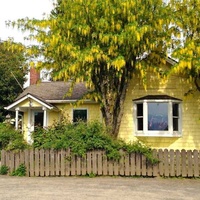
<point x="99" y="188"/>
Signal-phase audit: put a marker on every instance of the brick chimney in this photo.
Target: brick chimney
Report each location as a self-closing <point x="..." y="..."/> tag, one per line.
<point x="34" y="76"/>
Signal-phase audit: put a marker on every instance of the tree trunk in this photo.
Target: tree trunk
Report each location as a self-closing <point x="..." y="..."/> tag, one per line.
<point x="112" y="89"/>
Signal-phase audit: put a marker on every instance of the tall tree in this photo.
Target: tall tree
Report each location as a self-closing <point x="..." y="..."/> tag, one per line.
<point x="102" y="42"/>
<point x="187" y="39"/>
<point x="12" y="70"/>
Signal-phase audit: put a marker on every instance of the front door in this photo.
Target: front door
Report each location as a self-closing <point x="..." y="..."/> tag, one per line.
<point x="38" y="119"/>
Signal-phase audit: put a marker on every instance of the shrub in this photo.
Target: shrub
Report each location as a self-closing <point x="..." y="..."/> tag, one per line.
<point x="20" y="171"/>
<point x="4" y="170"/>
<point x="82" y="137"/>
<point x="10" y="139"/>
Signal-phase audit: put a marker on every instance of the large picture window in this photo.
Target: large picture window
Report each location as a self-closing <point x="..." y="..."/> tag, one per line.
<point x="158" y="116"/>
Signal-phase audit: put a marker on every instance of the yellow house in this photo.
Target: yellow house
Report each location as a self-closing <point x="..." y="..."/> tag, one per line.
<point x="161" y="115"/>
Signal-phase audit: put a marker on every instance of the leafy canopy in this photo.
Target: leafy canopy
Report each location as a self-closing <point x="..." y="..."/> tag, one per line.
<point x="187" y="25"/>
<point x="12" y="70"/>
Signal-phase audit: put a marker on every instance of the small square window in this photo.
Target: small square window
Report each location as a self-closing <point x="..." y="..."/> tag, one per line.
<point x="79" y="115"/>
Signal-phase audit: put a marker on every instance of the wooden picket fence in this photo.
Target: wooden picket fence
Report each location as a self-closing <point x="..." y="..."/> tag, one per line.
<point x="173" y="163"/>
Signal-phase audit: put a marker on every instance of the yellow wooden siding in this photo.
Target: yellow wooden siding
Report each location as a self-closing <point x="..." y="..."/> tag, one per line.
<point x="175" y="87"/>
<point x="92" y="108"/>
<point x="52" y="117"/>
<point x="26" y="103"/>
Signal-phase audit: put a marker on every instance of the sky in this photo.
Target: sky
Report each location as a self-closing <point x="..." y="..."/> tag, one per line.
<point x="17" y="9"/>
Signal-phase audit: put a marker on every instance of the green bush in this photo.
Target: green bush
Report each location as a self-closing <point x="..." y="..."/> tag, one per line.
<point x="10" y="139"/>
<point x="4" y="170"/>
<point x="20" y="171"/>
<point x="82" y="137"/>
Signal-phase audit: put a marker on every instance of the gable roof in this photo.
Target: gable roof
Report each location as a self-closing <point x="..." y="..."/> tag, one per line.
<point x="53" y="91"/>
<point x="30" y="96"/>
<point x="46" y="93"/>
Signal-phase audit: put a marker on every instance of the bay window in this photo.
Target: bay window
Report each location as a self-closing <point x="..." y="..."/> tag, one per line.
<point x="157" y="115"/>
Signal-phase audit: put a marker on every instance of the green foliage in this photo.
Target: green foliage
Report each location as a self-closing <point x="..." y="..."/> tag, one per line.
<point x="83" y="137"/>
<point x="187" y="40"/>
<point x="10" y="139"/>
<point x="12" y="70"/>
<point x="4" y="170"/>
<point x="20" y="171"/>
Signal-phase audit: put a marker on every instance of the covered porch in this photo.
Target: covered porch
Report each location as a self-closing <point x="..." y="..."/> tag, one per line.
<point x="31" y="112"/>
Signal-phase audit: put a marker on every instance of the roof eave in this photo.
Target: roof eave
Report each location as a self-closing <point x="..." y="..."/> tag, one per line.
<point x="43" y="103"/>
<point x="70" y="101"/>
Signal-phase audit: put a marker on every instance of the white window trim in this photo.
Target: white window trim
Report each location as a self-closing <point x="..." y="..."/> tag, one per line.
<point x="145" y="132"/>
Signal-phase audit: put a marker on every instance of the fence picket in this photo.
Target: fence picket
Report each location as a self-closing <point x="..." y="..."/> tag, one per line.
<point x="27" y="161"/>
<point x="3" y="160"/>
<point x="183" y="163"/>
<point x="52" y="163"/>
<point x="121" y="164"/>
<point x="166" y="163"/>
<point x="37" y="162"/>
<point x="78" y="165"/>
<point x="12" y="161"/>
<point x="32" y="161"/>
<point x="116" y="167"/>
<point x="138" y="164"/>
<point x="171" y="162"/>
<point x="190" y="163"/>
<point x="41" y="153"/>
<point x="89" y="164"/>
<point x="133" y="169"/>
<point x="62" y="167"/>
<point x="155" y="166"/>
<point x="7" y="159"/>
<point x="145" y="171"/>
<point x="127" y="165"/>
<point x="83" y="165"/>
<point x="196" y="164"/>
<point x="161" y="159"/>
<point x="73" y="165"/>
<point x="47" y="158"/>
<point x="100" y="163"/>
<point x="58" y="162"/>
<point x="94" y="161"/>
<point x="67" y="162"/>
<point x="177" y="163"/>
<point x="105" y="164"/>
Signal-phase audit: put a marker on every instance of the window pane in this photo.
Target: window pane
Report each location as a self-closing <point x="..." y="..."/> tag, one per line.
<point x="158" y="116"/>
<point x="175" y="109"/>
<point x="140" y="109"/>
<point x="140" y="124"/>
<point x="175" y="124"/>
<point x="80" y="115"/>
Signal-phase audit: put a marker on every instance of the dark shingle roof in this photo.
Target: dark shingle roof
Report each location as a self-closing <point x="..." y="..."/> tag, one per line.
<point x="55" y="91"/>
<point x="156" y="97"/>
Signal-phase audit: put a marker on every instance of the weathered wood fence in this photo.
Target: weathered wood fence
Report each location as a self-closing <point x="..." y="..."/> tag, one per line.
<point x="173" y="163"/>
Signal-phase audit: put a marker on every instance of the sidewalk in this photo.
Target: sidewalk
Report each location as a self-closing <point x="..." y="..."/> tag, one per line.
<point x="99" y="188"/>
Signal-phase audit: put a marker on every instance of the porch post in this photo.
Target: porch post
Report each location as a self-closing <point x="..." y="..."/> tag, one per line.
<point x="45" y="117"/>
<point x="29" y="139"/>
<point x="16" y="118"/>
